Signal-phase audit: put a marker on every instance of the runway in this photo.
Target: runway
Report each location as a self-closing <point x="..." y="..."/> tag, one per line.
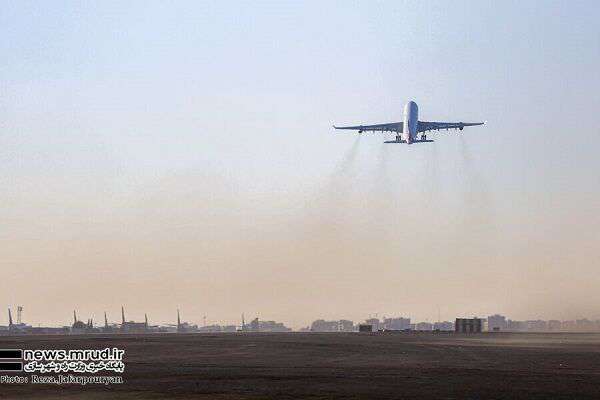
<point x="334" y="366"/>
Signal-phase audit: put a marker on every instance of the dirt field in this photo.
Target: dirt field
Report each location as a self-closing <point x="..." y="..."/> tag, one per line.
<point x="329" y="366"/>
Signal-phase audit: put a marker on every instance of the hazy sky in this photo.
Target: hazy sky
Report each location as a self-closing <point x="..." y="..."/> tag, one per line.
<point x="180" y="154"/>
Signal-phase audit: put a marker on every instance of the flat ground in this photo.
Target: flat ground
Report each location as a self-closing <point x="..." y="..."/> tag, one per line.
<point x="330" y="366"/>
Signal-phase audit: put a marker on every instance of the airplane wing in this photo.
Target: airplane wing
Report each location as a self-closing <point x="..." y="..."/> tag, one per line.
<point x="425" y="126"/>
<point x="393" y="126"/>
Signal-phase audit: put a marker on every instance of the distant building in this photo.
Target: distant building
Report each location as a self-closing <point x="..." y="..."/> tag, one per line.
<point x="375" y="323"/>
<point x="345" y="325"/>
<point x="515" y="326"/>
<point x="536" y="326"/>
<point x="585" y="325"/>
<point x="424" y="326"/>
<point x="321" y="325"/>
<point x="272" y="326"/>
<point x="365" y="328"/>
<point x="396" y="324"/>
<point x="554" y="325"/>
<point x="468" y="325"/>
<point x="215" y="328"/>
<point x="443" y="326"/>
<point x="229" y="328"/>
<point x="496" y="323"/>
<point x="569" y="326"/>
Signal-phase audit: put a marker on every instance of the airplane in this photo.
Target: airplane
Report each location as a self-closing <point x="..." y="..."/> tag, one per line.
<point x="408" y="130"/>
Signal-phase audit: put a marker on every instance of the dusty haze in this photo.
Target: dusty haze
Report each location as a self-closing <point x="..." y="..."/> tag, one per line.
<point x="153" y="159"/>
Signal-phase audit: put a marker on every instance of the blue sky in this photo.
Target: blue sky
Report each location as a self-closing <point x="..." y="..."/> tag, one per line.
<point x="118" y="113"/>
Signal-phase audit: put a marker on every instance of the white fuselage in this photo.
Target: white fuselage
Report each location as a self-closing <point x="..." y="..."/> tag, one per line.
<point x="411" y="122"/>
